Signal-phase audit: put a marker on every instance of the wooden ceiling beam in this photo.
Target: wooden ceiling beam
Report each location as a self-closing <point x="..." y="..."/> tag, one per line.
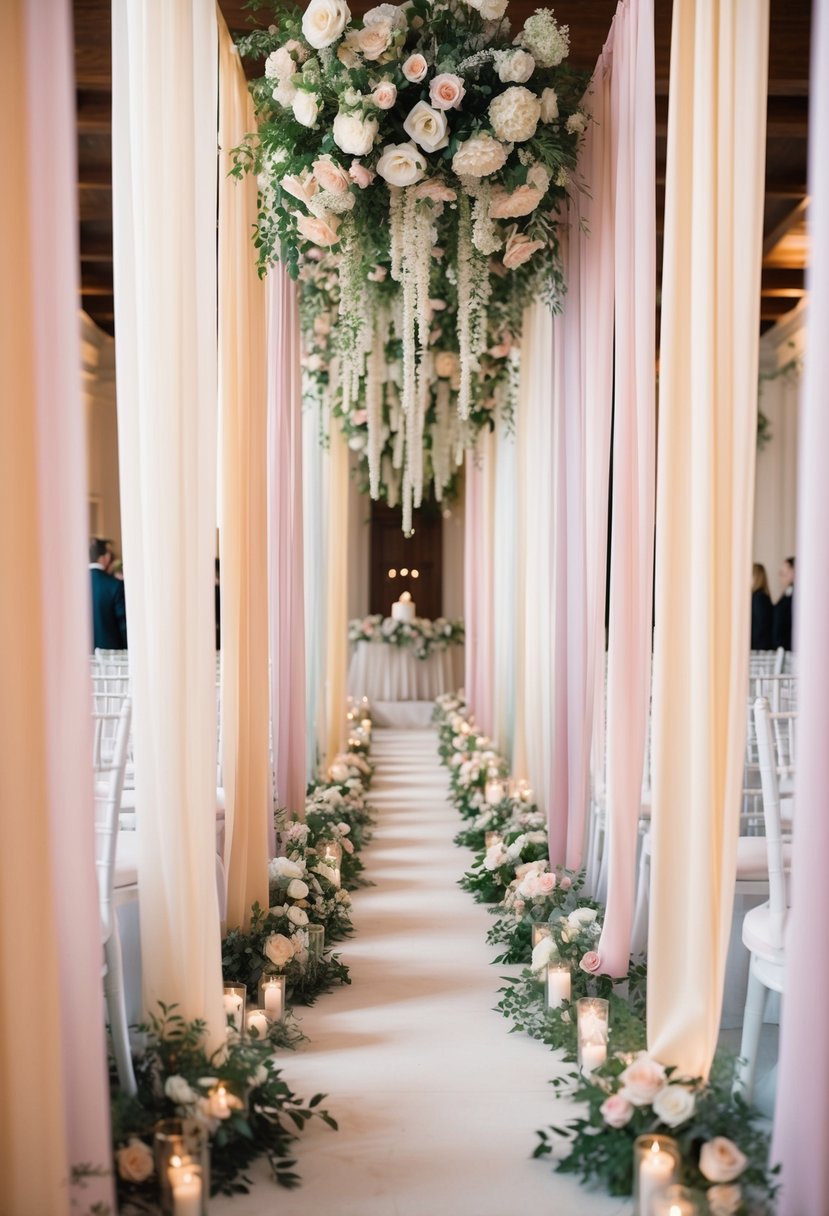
<point x="783" y="281"/>
<point x="774" y="307"/>
<point x="94" y="177"/>
<point x="94" y="111"/>
<point x="792" y="217"/>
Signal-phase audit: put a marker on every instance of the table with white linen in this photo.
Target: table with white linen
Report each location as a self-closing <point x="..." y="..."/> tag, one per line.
<point x="383" y="672"/>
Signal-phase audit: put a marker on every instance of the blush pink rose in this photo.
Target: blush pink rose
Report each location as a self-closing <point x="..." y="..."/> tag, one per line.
<point x="321" y="231"/>
<point x="721" y="1161"/>
<point x="546" y="883"/>
<point x="435" y="190"/>
<point x="446" y="92"/>
<point x="591" y="962"/>
<point x="642" y="1080"/>
<point x="359" y="417"/>
<point x="519" y="249"/>
<point x="299" y="187"/>
<point x="384" y="95"/>
<point x="521" y="201"/>
<point x="361" y="175"/>
<point x="330" y="175"/>
<point x="565" y="883"/>
<point x="415" y="68"/>
<point x="616" y="1111"/>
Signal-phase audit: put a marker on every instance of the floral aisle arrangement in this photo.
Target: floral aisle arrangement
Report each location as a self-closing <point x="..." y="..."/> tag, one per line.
<point x="543" y="920"/>
<point x="422" y="637"/>
<point x="426" y="126"/>
<point x="236" y="1095"/>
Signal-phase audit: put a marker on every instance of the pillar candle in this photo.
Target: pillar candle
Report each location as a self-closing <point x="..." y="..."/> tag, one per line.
<point x="274" y="1000"/>
<point x="187" y="1194"/>
<point x="559" y="988"/>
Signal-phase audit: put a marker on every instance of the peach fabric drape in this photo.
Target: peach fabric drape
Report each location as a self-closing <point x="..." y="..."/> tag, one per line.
<point x="629" y="126"/>
<point x="802" y="1113"/>
<point x="336" y="616"/>
<point x="54" y="1109"/>
<point x="165" y="103"/>
<point x="705" y="484"/>
<point x="243" y="515"/>
<point x="286" y="541"/>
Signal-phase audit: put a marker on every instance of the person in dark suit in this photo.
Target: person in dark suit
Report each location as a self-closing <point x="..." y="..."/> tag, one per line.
<point x="109" y="607"/>
<point x="762" y="611"/>
<point x="783" y="614"/>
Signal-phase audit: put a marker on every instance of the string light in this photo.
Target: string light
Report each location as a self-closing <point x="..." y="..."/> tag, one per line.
<point x="393" y="573"/>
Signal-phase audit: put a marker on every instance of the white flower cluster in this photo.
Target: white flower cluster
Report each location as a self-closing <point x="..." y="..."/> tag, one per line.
<point x="546" y="40"/>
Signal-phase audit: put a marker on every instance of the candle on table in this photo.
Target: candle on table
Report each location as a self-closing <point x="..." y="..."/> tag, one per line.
<point x="273" y="996"/>
<point x="559" y="987"/>
<point x="233" y="1009"/>
<point x="492" y="838"/>
<point x="220" y="1106"/>
<point x="494" y="792"/>
<point x="592" y="1056"/>
<point x="592" y="1021"/>
<point x="316" y="940"/>
<point x="406" y="597"/>
<point x="656" y="1165"/>
<point x="187" y="1192"/>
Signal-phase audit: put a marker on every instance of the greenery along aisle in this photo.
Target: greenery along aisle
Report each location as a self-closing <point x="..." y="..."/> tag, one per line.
<point x="411" y="168"/>
<point x="630" y="1094"/>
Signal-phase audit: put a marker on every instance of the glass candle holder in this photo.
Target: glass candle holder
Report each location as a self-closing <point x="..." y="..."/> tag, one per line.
<point x="559" y="985"/>
<point x="492" y="838"/>
<point x="258" y="1024"/>
<point x="679" y="1201"/>
<point x="182" y="1166"/>
<point x="524" y="791"/>
<point x="494" y="791"/>
<point x="656" y="1162"/>
<point x="593" y="1016"/>
<point x="272" y="995"/>
<point x="541" y="929"/>
<point x="365" y="723"/>
<point x="235" y="998"/>
<point x="331" y="855"/>
<point x="316" y="940"/>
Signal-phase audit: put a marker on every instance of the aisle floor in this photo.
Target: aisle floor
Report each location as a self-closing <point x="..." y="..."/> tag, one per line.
<point x="437" y="1103"/>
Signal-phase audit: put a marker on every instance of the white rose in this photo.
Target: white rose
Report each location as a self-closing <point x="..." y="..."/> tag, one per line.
<point x="324" y="21"/>
<point x="642" y="1080"/>
<point x="721" y="1161"/>
<point x="479" y="157"/>
<point x="576" y="123"/>
<point x="284" y="93"/>
<point x="543" y="953"/>
<point x="392" y="13"/>
<point x="374" y="39"/>
<point x="401" y="164"/>
<point x="674" y="1105"/>
<point x="278" y="949"/>
<point x="297" y="889"/>
<point x="280" y="65"/>
<point x="298" y="917"/>
<point x="135" y="1161"/>
<point x="427" y="127"/>
<point x="724" y="1200"/>
<point x="492" y="10"/>
<point x="353" y="134"/>
<point x="549" y="105"/>
<point x="384" y="95"/>
<point x="495" y="857"/>
<point x="580" y="917"/>
<point x="306" y="107"/>
<point x="538" y="178"/>
<point x="178" y="1091"/>
<point x="339" y="773"/>
<point x="514" y="114"/>
<point x="516" y="66"/>
<point x="283" y="867"/>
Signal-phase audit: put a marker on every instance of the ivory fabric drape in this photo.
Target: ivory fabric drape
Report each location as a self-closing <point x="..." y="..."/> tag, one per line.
<point x="801" y="1123"/>
<point x="629" y="123"/>
<point x="315" y="521"/>
<point x="479" y="592"/>
<point x="504" y="589"/>
<point x="705" y="475"/>
<point x="165" y="102"/>
<point x="336" y="615"/>
<point x="54" y="1108"/>
<point x="243" y="517"/>
<point x="285" y="550"/>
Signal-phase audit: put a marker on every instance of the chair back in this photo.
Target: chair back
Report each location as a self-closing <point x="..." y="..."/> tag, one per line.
<point x="110" y="766"/>
<point x="775" y="746"/>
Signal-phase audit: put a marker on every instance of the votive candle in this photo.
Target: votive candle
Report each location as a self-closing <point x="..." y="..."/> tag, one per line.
<point x="316" y="940"/>
<point x="592" y="1022"/>
<point x="559" y="984"/>
<point x="655" y="1168"/>
<point x="494" y="792"/>
<point x="187" y="1191"/>
<point x="260" y="1021"/>
<point x="679" y="1201"/>
<point x="272" y="995"/>
<point x="234" y="1000"/>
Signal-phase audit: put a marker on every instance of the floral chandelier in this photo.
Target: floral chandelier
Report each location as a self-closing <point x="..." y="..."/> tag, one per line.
<point x="413" y="165"/>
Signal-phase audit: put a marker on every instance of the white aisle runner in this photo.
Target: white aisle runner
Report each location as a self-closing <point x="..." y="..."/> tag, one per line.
<point x="437" y="1103"/>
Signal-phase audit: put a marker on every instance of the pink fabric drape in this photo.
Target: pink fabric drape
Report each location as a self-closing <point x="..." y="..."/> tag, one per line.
<point x="54" y="1109"/>
<point x="285" y="553"/>
<point x="478" y="586"/>
<point x="802" y="1115"/>
<point x="632" y="130"/>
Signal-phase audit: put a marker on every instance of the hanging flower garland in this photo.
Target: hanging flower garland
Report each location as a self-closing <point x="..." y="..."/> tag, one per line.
<point x="426" y="126"/>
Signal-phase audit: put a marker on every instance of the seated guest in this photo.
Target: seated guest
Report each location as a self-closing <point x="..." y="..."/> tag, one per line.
<point x="109" y="608"/>
<point x="783" y="608"/>
<point x="761" y="610"/>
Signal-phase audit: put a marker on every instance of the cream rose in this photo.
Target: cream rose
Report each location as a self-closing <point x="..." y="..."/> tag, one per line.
<point x="280" y="65"/>
<point x="522" y="201"/>
<point x="549" y="105"/>
<point x="285" y="93"/>
<point x="297" y="889"/>
<point x="543" y="953"/>
<point x="330" y="175"/>
<point x="495" y="857"/>
<point x="547" y="881"/>
<point x="576" y="123"/>
<point x="135" y="1161"/>
<point x="427" y="127"/>
<point x="301" y="188"/>
<point x="384" y="95"/>
<point x="591" y="962"/>
<point x="353" y="134"/>
<point x="339" y="772"/>
<point x="178" y="1090"/>
<point x="278" y="949"/>
<point x="721" y="1161"/>
<point x="616" y="1111"/>
<point x="401" y="164"/>
<point x="447" y="91"/>
<point x="415" y="68"/>
<point x="392" y="13"/>
<point x="283" y="867"/>
<point x="674" y="1105"/>
<point x="374" y="39"/>
<point x="361" y="175"/>
<point x="724" y="1200"/>
<point x="436" y="191"/>
<point x="538" y="178"/>
<point x="515" y="66"/>
<point x="479" y="156"/>
<point x="306" y="107"/>
<point x="580" y="917"/>
<point x="324" y="21"/>
<point x="642" y="1080"/>
<point x="298" y="917"/>
<point x="514" y="114"/>
<point x="519" y="249"/>
<point x="493" y="10"/>
<point x="321" y="230"/>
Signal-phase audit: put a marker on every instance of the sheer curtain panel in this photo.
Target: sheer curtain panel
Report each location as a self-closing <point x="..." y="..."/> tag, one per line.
<point x="336" y="613"/>
<point x="165" y="105"/>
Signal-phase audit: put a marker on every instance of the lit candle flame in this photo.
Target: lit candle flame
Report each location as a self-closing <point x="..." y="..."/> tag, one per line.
<point x="655" y="1147"/>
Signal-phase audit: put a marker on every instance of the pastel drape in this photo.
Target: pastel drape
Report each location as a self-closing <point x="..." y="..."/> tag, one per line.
<point x="315" y="462"/>
<point x="632" y="134"/>
<point x="243" y="519"/>
<point x="705" y="474"/>
<point x="165" y="103"/>
<point x="802" y="1112"/>
<point x="479" y="593"/>
<point x="54" y="1109"/>
<point x="286" y="540"/>
<point x="505" y="549"/>
<point x="336" y="623"/>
